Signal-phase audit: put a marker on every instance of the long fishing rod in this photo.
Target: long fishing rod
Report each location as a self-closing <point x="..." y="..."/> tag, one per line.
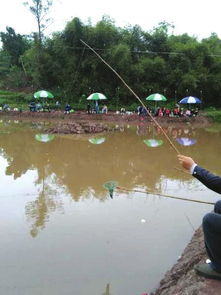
<point x="163" y="195"/>
<point x="138" y="98"/>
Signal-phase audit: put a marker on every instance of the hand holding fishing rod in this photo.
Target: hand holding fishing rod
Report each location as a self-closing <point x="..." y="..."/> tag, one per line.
<point x="186" y="162"/>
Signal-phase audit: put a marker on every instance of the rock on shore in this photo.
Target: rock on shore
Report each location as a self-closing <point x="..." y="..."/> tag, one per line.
<point x="78" y="128"/>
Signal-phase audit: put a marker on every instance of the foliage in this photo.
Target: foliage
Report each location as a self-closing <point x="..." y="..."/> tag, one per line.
<point x="214" y="115"/>
<point x="39" y="8"/>
<point x="149" y="62"/>
<point x="14" y="45"/>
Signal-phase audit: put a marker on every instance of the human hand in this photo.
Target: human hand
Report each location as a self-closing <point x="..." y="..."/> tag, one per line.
<point x="186" y="162"/>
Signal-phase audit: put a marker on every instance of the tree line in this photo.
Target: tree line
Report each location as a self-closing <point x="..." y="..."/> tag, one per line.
<point x="150" y="62"/>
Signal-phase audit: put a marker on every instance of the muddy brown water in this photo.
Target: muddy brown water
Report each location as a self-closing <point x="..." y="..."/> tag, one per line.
<point x="61" y="233"/>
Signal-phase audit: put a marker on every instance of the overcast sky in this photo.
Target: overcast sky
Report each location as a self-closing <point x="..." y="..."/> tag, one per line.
<point x="195" y="17"/>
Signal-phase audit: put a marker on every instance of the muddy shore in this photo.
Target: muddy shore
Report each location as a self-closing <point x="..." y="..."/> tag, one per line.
<point x="181" y="278"/>
<point x="81" y="122"/>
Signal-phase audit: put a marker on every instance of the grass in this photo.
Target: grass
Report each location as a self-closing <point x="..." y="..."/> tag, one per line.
<point x="215" y="115"/>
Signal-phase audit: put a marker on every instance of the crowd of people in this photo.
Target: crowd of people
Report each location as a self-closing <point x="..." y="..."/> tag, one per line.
<point x="44" y="106"/>
<point x="166" y="112"/>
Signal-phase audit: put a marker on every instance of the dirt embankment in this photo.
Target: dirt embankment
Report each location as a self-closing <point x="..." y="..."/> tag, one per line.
<point x="81" y="122"/>
<point x="182" y="279"/>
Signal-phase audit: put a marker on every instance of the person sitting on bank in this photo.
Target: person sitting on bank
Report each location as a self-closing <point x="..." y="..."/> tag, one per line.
<point x="57" y="105"/>
<point x="211" y="221"/>
<point x="38" y="107"/>
<point x="89" y="108"/>
<point x="46" y="107"/>
<point x="67" y="108"/>
<point x="122" y="111"/>
<point x="188" y="113"/>
<point x="32" y="106"/>
<point x="104" y="109"/>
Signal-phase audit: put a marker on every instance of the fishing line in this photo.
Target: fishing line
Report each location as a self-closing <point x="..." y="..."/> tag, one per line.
<point x="163" y="195"/>
<point x="138" y="98"/>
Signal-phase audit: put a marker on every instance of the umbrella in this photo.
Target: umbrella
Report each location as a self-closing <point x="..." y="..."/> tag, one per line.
<point x="96" y="96"/>
<point x="156" y="97"/>
<point x="190" y="99"/>
<point x="97" y="140"/>
<point x="186" y="141"/>
<point x="153" y="142"/>
<point x="44" y="137"/>
<point x="43" y="94"/>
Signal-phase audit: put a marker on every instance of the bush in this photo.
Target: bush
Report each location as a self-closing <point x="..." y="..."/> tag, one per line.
<point x="214" y="115"/>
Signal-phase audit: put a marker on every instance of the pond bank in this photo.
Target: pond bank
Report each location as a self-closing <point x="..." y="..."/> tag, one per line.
<point x="99" y="120"/>
<point x="182" y="279"/>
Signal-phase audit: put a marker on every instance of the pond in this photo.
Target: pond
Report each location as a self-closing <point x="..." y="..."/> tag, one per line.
<point x="61" y="233"/>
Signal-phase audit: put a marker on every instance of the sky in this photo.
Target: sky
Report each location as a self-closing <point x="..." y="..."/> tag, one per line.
<point x="194" y="17"/>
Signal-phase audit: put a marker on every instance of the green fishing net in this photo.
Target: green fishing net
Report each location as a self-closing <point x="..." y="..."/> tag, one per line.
<point x="110" y="186"/>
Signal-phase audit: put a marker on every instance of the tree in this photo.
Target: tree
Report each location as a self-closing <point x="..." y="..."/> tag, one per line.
<point x="40" y="9"/>
<point x="14" y="45"/>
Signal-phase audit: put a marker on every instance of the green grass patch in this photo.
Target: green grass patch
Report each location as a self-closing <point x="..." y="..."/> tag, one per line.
<point x="215" y="115"/>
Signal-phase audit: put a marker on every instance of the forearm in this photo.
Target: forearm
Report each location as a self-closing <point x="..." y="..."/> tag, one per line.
<point x="209" y="179"/>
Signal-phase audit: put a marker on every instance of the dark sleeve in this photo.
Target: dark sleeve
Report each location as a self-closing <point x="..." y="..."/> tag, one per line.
<point x="210" y="180"/>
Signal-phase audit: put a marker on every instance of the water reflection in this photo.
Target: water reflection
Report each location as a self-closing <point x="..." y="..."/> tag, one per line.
<point x="107" y="290"/>
<point x="44" y="137"/>
<point x="83" y="239"/>
<point x="96" y="140"/>
<point x="81" y="168"/>
<point x="153" y="142"/>
<point x="38" y="211"/>
<point x="186" y="141"/>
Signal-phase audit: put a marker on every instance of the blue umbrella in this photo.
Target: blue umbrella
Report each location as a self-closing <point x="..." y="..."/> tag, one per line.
<point x="186" y="141"/>
<point x="190" y="99"/>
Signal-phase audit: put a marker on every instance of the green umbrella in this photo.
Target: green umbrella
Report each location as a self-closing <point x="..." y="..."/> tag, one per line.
<point x="156" y="97"/>
<point x="97" y="140"/>
<point x="96" y="96"/>
<point x="153" y="142"/>
<point x="43" y="94"/>
<point x="44" y="137"/>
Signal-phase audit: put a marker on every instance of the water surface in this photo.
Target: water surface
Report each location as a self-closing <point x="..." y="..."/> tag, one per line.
<point x="61" y="233"/>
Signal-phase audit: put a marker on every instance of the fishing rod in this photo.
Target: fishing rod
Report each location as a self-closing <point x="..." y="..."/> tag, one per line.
<point x="137" y="97"/>
<point x="163" y="195"/>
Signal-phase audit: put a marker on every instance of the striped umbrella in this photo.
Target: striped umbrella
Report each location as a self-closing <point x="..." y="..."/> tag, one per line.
<point x="190" y="99"/>
<point x="96" y="96"/>
<point x="156" y="97"/>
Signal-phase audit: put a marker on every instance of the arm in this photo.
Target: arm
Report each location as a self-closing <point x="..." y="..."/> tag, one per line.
<point x="210" y="180"/>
